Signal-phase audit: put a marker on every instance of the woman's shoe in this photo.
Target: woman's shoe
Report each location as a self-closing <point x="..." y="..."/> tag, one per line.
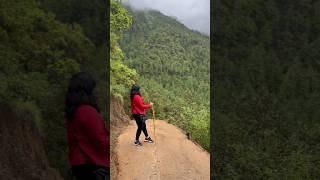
<point x="137" y="143"/>
<point x="148" y="139"/>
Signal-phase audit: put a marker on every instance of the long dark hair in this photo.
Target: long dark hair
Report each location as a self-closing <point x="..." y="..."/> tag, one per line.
<point x="80" y="90"/>
<point x="135" y="90"/>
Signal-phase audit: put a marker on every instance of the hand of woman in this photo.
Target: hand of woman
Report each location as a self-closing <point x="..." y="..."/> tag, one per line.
<point x="151" y="104"/>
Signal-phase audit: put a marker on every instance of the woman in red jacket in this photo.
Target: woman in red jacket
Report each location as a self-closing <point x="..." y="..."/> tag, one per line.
<point x="138" y="113"/>
<point x="88" y="137"/>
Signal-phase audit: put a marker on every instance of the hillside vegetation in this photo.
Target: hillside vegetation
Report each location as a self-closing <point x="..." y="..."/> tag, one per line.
<point x="266" y="89"/>
<point x="42" y="44"/>
<point x="173" y="66"/>
<point x="122" y="77"/>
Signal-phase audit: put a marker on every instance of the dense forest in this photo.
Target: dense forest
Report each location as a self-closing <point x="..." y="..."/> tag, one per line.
<point x="173" y="66"/>
<point x="42" y="44"/>
<point x="266" y="89"/>
<point x="122" y="77"/>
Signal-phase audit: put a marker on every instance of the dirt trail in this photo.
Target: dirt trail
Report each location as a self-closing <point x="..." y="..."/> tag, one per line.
<point x="172" y="156"/>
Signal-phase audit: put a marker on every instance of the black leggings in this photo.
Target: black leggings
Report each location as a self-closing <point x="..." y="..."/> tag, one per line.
<point x="90" y="172"/>
<point x="141" y="125"/>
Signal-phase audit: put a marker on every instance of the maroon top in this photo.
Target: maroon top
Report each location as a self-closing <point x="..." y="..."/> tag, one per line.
<point x="88" y="138"/>
<point x="138" y="106"/>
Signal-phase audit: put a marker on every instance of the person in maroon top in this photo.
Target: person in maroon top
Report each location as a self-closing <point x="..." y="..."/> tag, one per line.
<point x="138" y="113"/>
<point x="88" y="137"/>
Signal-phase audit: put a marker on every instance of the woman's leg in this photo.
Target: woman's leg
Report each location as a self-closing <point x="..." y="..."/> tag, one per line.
<point x="144" y="129"/>
<point x="102" y="173"/>
<point x="90" y="172"/>
<point x="83" y="172"/>
<point x="139" y="124"/>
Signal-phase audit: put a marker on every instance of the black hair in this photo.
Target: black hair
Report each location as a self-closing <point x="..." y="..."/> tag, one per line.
<point x="80" y="90"/>
<point x="135" y="90"/>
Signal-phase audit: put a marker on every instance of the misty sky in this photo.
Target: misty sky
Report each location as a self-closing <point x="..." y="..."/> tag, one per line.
<point x="195" y="14"/>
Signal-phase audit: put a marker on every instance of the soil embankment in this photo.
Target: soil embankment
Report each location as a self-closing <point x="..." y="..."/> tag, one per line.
<point x="22" y="154"/>
<point x="118" y="122"/>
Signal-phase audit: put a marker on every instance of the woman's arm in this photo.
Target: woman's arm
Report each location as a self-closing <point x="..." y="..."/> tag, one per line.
<point x="141" y="104"/>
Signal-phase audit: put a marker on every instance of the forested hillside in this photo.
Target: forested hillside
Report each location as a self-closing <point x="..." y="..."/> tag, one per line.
<point x="266" y="69"/>
<point x="122" y="77"/>
<point x="42" y="44"/>
<point x="173" y="66"/>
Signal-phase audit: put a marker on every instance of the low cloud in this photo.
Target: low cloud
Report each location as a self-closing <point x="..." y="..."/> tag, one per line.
<point x="195" y="14"/>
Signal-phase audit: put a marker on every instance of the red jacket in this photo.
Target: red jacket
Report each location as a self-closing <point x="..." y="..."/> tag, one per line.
<point x="138" y="106"/>
<point x="88" y="138"/>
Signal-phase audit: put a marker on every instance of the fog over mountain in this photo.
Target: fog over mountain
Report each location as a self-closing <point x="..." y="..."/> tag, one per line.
<point x="195" y="14"/>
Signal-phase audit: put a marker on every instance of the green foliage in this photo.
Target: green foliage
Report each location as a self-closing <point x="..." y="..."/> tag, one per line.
<point x="38" y="55"/>
<point x="119" y="17"/>
<point x="200" y="127"/>
<point x="122" y="77"/>
<point x="173" y="64"/>
<point x="90" y="15"/>
<point x="37" y="50"/>
<point x="266" y="90"/>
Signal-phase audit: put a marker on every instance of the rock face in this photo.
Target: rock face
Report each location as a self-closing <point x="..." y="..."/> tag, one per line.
<point x="22" y="154"/>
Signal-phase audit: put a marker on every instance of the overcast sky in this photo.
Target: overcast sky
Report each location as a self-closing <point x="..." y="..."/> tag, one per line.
<point x="195" y="14"/>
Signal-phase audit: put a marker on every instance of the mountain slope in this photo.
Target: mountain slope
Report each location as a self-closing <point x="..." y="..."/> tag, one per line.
<point x="173" y="64"/>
